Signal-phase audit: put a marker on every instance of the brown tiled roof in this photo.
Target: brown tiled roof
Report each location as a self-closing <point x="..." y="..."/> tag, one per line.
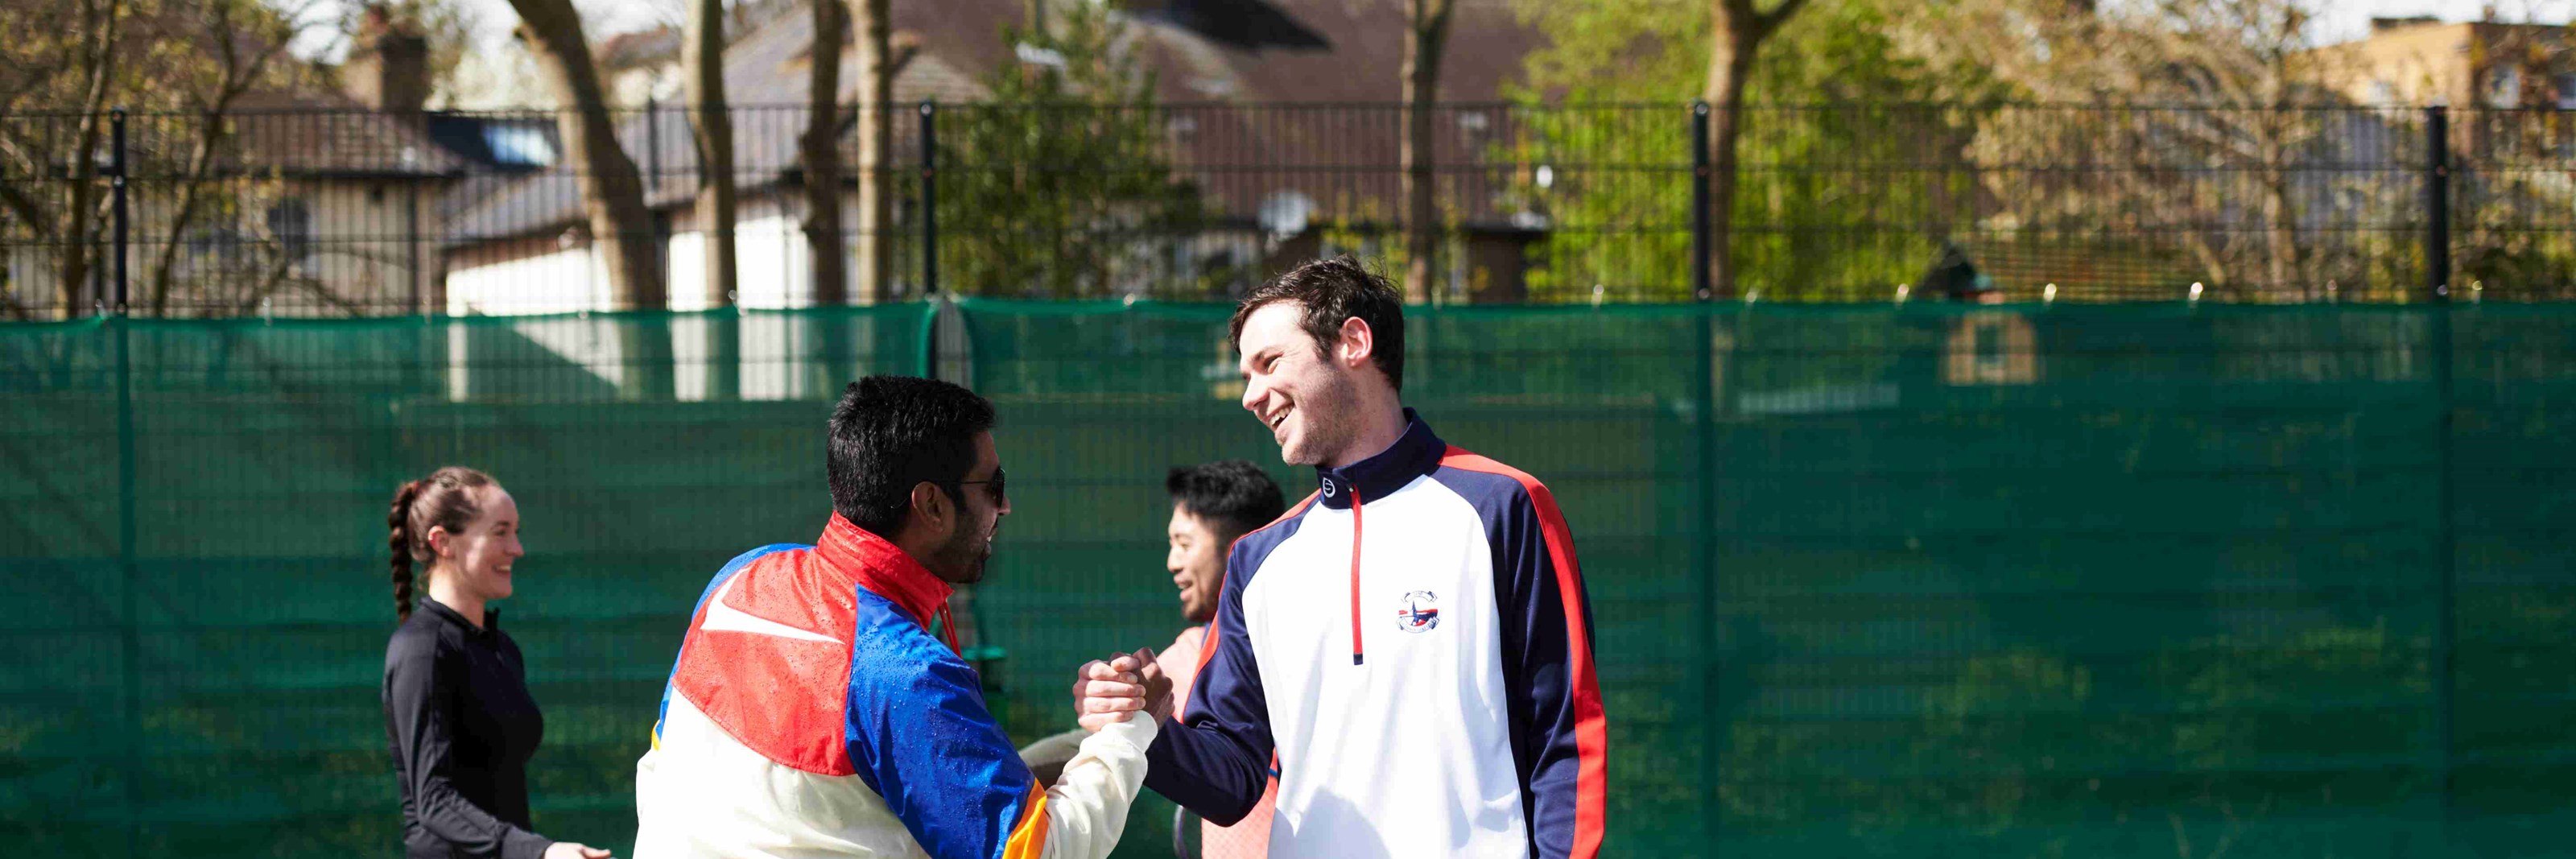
<point x="1234" y="152"/>
<point x="311" y="134"/>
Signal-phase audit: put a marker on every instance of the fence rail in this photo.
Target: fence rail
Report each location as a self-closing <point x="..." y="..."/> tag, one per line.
<point x="352" y="213"/>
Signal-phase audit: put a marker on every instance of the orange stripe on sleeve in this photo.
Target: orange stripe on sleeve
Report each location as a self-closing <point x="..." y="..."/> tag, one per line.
<point x="1028" y="839"/>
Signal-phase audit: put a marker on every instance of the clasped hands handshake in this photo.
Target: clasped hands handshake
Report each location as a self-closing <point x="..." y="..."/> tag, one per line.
<point x="1106" y="691"/>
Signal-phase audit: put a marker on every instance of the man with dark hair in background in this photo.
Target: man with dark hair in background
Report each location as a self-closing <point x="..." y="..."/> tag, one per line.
<point x="1411" y="646"/>
<point x="813" y="710"/>
<point x="1213" y="504"/>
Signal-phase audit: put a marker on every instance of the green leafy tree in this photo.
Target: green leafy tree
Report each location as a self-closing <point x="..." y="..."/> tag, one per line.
<point x="1061" y="184"/>
<point x="1832" y="198"/>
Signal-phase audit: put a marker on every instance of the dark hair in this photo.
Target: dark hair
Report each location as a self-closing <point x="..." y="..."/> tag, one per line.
<point x="1233" y="496"/>
<point x="1332" y="290"/>
<point x="892" y="432"/>
<point x="444" y="499"/>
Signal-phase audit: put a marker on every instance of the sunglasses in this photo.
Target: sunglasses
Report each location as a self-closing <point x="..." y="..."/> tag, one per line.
<point x="998" y="491"/>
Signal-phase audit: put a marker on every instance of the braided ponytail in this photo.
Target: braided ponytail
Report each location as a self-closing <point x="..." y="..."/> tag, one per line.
<point x="399" y="522"/>
<point x="443" y="499"/>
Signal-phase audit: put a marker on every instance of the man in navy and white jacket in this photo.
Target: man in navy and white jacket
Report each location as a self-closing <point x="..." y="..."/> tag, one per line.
<point x="1410" y="646"/>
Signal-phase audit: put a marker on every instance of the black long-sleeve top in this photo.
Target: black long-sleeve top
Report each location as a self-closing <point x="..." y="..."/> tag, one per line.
<point x="462" y="726"/>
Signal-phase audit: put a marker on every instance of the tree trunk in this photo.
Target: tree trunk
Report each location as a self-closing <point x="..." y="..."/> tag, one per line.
<point x="191" y="193"/>
<point x="612" y="192"/>
<point x="1727" y="71"/>
<point x="703" y="61"/>
<point x="1735" y="36"/>
<point x="876" y="229"/>
<point x="238" y="74"/>
<point x="2281" y="254"/>
<point x="820" y="152"/>
<point x="1423" y="46"/>
<point x="98" y="62"/>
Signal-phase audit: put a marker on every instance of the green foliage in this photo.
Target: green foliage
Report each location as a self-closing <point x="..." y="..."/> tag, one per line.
<point x="1059" y="184"/>
<point x="1833" y="198"/>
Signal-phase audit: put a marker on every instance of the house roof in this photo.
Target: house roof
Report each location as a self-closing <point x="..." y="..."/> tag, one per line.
<point x="1229" y="132"/>
<point x="766" y="81"/>
<point x="317" y="133"/>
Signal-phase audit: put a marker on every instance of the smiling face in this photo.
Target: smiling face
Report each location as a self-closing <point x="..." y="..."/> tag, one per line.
<point x="1297" y="389"/>
<point x="1197" y="562"/>
<point x="477" y="560"/>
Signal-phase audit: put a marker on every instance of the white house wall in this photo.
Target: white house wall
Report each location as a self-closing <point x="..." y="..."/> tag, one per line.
<point x="772" y="270"/>
<point x="524" y="277"/>
<point x="771" y="266"/>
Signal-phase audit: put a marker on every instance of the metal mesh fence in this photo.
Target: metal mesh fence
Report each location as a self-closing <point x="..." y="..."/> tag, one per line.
<point x="2017" y="580"/>
<point x="345" y="213"/>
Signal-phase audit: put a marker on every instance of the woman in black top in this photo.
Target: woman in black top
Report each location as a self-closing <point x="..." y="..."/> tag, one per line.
<point x="457" y="711"/>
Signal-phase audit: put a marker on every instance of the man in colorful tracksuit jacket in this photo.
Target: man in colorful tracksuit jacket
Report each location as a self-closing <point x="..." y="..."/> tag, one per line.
<point x="1413" y="644"/>
<point x="812" y="713"/>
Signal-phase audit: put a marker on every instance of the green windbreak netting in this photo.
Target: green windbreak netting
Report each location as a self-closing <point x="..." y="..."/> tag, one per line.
<point x="1892" y="580"/>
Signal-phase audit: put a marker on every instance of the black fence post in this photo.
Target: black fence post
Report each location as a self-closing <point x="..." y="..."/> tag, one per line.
<point x="929" y="198"/>
<point x="129" y="627"/>
<point x="1700" y="227"/>
<point x="2437" y="193"/>
<point x="2445" y="658"/>
<point x="116" y="168"/>
<point x="1704" y="512"/>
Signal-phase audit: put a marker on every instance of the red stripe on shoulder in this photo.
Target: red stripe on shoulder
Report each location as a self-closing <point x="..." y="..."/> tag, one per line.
<point x="1591" y="726"/>
<point x="753" y="675"/>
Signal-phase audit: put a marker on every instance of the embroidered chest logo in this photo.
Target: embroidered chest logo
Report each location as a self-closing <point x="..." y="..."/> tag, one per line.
<point x="1421" y="612"/>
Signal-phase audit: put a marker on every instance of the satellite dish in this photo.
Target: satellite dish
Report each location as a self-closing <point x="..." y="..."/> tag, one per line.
<point x="1286" y="213"/>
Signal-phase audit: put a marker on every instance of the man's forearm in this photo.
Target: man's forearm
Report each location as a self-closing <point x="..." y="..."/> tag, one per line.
<point x="1086" y="808"/>
<point x="1206" y="771"/>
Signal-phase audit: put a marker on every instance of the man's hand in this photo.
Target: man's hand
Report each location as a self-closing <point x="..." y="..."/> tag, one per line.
<point x="1105" y="692"/>
<point x="569" y="850"/>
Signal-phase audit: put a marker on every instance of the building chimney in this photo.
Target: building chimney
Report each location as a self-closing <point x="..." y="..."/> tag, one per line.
<point x="388" y="68"/>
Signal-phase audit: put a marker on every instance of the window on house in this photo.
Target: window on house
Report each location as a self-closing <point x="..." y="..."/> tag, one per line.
<point x="290" y="222"/>
<point x="2566" y="90"/>
<point x="518" y="145"/>
<point x="2504" y="86"/>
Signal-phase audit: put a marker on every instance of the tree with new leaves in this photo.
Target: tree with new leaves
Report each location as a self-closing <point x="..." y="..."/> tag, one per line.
<point x="1610" y="85"/>
<point x="612" y="190"/>
<point x="48" y="68"/>
<point x="2213" y="190"/>
<point x="250" y="40"/>
<point x="181" y="69"/>
<point x="1060" y="184"/>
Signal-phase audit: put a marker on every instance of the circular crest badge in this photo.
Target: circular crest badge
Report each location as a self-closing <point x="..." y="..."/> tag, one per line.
<point x="1421" y="612"/>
